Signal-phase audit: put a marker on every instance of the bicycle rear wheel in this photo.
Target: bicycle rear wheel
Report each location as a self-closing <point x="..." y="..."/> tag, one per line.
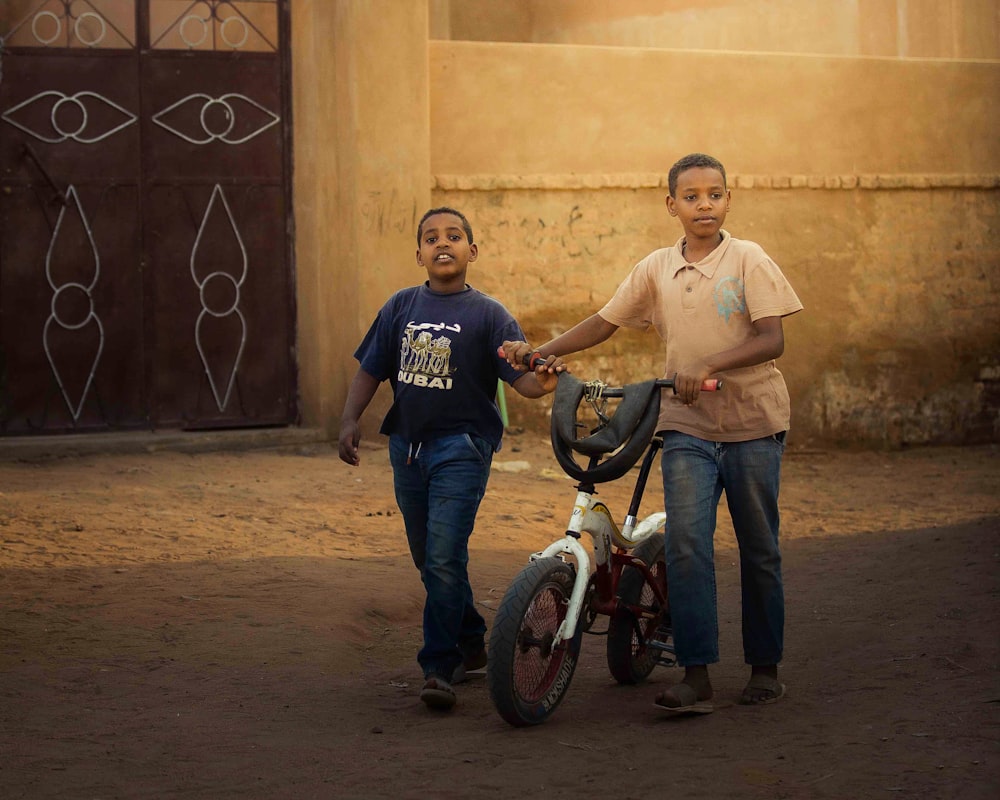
<point x="527" y="675"/>
<point x="632" y="639"/>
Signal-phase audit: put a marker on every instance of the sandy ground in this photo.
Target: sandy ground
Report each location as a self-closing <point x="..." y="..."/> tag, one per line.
<point x="244" y="624"/>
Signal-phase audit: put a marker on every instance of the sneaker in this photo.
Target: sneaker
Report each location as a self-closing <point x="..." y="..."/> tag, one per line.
<point x="476" y="661"/>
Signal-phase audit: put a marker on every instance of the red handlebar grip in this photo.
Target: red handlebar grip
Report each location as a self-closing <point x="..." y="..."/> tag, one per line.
<point x="707" y="385"/>
<point x="531" y="361"/>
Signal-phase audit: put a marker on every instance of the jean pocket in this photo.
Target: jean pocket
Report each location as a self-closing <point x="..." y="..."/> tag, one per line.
<point x="779" y="437"/>
<point x="397" y="450"/>
<point x="480" y="447"/>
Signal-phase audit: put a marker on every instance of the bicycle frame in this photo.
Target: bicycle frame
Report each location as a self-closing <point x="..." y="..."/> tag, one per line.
<point x="537" y="631"/>
<point x="594" y="518"/>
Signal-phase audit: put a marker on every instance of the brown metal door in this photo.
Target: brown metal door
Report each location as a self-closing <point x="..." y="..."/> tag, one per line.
<point x="145" y="268"/>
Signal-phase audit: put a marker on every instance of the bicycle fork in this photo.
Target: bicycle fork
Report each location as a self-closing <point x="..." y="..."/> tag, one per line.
<point x="592" y="517"/>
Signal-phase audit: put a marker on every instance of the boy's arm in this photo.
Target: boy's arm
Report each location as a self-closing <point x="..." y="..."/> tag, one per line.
<point x="768" y="343"/>
<point x="543" y="380"/>
<point x="592" y="331"/>
<point x="359" y="395"/>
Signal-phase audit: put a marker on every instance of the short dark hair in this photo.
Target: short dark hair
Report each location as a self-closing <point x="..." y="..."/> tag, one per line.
<point x="691" y="162"/>
<point x="444" y="210"/>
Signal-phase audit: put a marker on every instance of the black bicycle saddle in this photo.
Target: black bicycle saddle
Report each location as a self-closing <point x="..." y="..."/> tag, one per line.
<point x="625" y="435"/>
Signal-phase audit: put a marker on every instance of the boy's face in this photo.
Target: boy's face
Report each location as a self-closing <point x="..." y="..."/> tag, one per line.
<point x="445" y="251"/>
<point x="701" y="202"/>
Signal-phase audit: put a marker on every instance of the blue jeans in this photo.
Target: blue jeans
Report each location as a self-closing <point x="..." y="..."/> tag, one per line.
<point x="438" y="493"/>
<point x="695" y="473"/>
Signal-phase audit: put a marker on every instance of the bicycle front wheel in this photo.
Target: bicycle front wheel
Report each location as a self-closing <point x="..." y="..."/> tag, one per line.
<point x="633" y="638"/>
<point x="527" y="673"/>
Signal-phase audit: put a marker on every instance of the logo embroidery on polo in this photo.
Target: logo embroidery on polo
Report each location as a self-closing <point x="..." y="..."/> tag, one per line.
<point x="729" y="297"/>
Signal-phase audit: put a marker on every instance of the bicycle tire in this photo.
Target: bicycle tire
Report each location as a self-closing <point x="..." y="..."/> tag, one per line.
<point x="527" y="678"/>
<point x="630" y="658"/>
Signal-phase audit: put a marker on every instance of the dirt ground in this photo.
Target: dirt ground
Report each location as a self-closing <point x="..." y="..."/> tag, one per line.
<point x="244" y="624"/>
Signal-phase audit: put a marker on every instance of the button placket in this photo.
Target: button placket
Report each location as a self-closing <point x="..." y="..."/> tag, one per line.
<point x="689" y="277"/>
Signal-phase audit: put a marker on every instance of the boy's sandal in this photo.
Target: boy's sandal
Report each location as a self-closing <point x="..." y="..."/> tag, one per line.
<point x="437" y="693"/>
<point x="762" y="690"/>
<point x="687" y="700"/>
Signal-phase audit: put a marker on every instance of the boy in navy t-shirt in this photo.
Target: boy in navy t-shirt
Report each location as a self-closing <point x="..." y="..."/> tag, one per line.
<point x="437" y="344"/>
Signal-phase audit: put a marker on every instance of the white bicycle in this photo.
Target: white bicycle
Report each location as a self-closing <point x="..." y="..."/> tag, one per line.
<point x="537" y="633"/>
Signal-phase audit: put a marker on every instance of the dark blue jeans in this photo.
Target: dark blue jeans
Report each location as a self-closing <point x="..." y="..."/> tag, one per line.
<point x="695" y="473"/>
<point x="438" y="493"/>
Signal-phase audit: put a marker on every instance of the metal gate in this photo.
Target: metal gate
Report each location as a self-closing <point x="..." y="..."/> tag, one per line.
<point x="145" y="223"/>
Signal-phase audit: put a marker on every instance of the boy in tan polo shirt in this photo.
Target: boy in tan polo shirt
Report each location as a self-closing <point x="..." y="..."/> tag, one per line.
<point x="717" y="303"/>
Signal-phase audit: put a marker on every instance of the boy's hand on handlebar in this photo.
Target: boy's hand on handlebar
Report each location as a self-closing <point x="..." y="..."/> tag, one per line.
<point x="523" y="357"/>
<point x="547" y="372"/>
<point x="690" y="382"/>
<point x="517" y="354"/>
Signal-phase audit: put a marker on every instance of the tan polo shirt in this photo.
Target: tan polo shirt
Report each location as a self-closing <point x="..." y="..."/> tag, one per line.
<point x="704" y="308"/>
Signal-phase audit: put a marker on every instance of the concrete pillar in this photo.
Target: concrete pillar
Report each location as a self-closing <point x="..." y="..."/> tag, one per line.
<point x="362" y="180"/>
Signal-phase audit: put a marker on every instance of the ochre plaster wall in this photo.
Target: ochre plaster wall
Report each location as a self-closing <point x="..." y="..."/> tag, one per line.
<point x="872" y="181"/>
<point x="362" y="161"/>
<point x="551" y="109"/>
<point x="885" y="215"/>
<point x="900" y="305"/>
<point x="897" y="28"/>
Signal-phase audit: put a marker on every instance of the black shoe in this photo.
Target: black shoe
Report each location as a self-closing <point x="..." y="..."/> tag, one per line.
<point x="472" y="663"/>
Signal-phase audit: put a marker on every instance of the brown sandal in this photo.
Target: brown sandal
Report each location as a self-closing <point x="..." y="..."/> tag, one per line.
<point x="762" y="690"/>
<point x="688" y="702"/>
<point x="438" y="694"/>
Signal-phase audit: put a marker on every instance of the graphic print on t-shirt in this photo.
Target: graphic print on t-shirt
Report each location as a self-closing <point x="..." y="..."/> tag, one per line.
<point x="425" y="355"/>
<point x="729" y="297"/>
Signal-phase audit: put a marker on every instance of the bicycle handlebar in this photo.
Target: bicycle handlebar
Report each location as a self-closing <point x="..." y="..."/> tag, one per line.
<point x="707" y="385"/>
<point x="532" y="360"/>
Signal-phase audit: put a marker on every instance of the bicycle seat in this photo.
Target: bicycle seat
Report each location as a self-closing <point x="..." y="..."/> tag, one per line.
<point x="624" y="436"/>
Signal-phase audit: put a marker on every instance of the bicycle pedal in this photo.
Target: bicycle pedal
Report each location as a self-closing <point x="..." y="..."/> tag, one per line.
<point x="662" y="643"/>
<point x="663" y="652"/>
<point x="665" y="661"/>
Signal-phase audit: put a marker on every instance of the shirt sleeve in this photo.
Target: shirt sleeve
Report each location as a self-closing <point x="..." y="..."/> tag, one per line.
<point x="374" y="354"/>
<point x="634" y="302"/>
<point x="768" y="292"/>
<point x="507" y="331"/>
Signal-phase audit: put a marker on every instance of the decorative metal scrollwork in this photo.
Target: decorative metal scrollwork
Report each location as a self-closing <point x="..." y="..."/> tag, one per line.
<point x="235" y="277"/>
<point x="227" y="131"/>
<point x="216" y="25"/>
<point x="75" y="24"/>
<point x="62" y="303"/>
<point x="78" y="101"/>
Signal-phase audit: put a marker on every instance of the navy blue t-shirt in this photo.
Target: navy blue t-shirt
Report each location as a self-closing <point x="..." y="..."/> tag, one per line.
<point x="439" y="353"/>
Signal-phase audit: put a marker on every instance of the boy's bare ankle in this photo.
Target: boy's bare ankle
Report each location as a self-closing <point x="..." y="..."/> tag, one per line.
<point x="696" y="676"/>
